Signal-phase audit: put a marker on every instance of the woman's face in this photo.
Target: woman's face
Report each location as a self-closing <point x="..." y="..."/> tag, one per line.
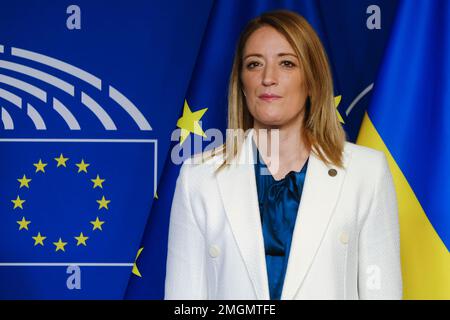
<point x="273" y="80"/>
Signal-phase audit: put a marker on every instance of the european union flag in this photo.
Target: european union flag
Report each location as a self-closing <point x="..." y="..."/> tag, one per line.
<point x="64" y="204"/>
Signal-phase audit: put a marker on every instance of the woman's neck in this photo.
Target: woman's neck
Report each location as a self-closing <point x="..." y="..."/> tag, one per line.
<point x="283" y="149"/>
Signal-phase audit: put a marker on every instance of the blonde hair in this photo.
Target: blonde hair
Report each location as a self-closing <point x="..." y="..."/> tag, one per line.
<point x="322" y="132"/>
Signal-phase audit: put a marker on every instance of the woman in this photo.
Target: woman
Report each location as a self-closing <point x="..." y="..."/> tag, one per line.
<point x="322" y="224"/>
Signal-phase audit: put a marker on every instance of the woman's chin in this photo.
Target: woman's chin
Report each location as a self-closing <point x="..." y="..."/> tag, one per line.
<point x="271" y="122"/>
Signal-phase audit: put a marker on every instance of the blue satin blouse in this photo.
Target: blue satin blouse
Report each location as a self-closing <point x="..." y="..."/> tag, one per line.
<point x="278" y="206"/>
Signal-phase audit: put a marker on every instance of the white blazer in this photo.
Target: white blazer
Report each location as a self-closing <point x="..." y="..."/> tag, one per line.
<point x="345" y="243"/>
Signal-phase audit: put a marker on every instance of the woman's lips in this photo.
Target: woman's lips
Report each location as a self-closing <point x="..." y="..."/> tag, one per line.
<point x="269" y="97"/>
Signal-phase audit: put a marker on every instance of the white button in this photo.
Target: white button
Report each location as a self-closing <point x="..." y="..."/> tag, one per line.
<point x="344" y="237"/>
<point x="214" y="251"/>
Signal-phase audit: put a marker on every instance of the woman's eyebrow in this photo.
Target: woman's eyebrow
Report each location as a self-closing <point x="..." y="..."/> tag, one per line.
<point x="253" y="55"/>
<point x="287" y="54"/>
<point x="282" y="54"/>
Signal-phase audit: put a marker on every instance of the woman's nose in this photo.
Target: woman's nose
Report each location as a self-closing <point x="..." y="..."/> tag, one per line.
<point x="269" y="76"/>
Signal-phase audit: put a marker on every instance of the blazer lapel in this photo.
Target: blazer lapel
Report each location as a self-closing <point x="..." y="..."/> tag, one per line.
<point x="238" y="190"/>
<point x="319" y="197"/>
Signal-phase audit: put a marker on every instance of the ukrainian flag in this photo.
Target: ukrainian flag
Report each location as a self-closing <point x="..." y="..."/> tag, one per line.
<point x="409" y="119"/>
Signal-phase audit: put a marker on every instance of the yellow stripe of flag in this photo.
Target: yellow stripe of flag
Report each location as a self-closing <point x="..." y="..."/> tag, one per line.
<point x="425" y="258"/>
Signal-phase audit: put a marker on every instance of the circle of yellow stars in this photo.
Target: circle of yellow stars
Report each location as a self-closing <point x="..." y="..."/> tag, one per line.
<point x="81" y="168"/>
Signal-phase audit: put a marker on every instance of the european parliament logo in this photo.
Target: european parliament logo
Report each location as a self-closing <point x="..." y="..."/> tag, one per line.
<point x="71" y="206"/>
<point x="43" y="98"/>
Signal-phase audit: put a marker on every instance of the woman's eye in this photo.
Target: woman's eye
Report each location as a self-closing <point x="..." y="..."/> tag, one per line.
<point x="252" y="64"/>
<point x="288" y="64"/>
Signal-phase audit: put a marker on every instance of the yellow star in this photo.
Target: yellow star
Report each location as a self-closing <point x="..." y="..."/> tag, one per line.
<point x="135" y="270"/>
<point x="24" y="182"/>
<point x="61" y="160"/>
<point x="337" y="100"/>
<point x="39" y="239"/>
<point x="40" y="166"/>
<point x="18" y="203"/>
<point x="81" y="239"/>
<point x="189" y="122"/>
<point x="98" y="182"/>
<point x="82" y="166"/>
<point x="97" y="224"/>
<point x="103" y="203"/>
<point x="23" y="224"/>
<point x="60" y="245"/>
